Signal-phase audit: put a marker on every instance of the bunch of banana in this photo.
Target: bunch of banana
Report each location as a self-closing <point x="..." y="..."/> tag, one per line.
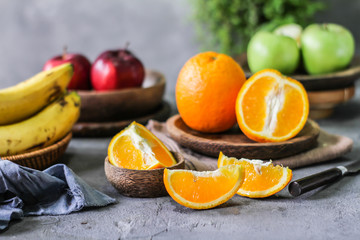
<point x="57" y="111"/>
<point x="30" y="96"/>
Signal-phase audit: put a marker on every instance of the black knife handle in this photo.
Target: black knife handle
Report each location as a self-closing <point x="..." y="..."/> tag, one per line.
<point x="306" y="184"/>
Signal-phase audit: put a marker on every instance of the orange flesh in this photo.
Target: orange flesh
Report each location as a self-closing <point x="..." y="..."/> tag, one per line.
<point x="292" y="107"/>
<point x="127" y="156"/>
<point x="124" y="154"/>
<point x="158" y="149"/>
<point x="267" y="179"/>
<point x="270" y="175"/>
<point x="271" y="107"/>
<point x="254" y="106"/>
<point x="201" y="189"/>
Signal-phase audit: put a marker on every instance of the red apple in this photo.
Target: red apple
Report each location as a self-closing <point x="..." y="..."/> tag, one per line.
<point x="117" y="69"/>
<point x="82" y="66"/>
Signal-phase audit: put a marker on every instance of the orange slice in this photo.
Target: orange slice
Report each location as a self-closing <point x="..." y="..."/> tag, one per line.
<point x="136" y="147"/>
<point x="203" y="190"/>
<point x="271" y="107"/>
<point x="262" y="179"/>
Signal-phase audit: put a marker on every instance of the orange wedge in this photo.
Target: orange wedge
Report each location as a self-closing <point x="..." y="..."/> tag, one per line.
<point x="203" y="190"/>
<point x="262" y="179"/>
<point x="136" y="147"/>
<point x="271" y="107"/>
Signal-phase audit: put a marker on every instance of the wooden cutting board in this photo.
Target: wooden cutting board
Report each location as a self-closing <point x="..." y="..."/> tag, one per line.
<point x="235" y="143"/>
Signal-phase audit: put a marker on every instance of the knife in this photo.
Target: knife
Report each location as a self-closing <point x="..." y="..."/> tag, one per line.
<point x="306" y="184"/>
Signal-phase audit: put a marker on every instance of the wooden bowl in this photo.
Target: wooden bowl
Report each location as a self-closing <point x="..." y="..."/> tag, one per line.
<point x="109" y="129"/>
<point x="41" y="158"/>
<point x="330" y="81"/>
<point x="235" y="144"/>
<point x="126" y="103"/>
<point x="140" y="183"/>
<point x="322" y="103"/>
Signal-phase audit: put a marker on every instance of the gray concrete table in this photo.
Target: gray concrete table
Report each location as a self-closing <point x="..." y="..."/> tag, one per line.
<point x="332" y="212"/>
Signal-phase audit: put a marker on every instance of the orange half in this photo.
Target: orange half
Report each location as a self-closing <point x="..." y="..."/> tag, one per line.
<point x="203" y="190"/>
<point x="136" y="147"/>
<point x="271" y="107"/>
<point x="262" y="179"/>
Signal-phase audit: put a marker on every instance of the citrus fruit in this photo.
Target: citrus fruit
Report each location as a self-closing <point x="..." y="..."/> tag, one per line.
<point x="206" y="91"/>
<point x="203" y="190"/>
<point x="271" y="107"/>
<point x="136" y="147"/>
<point x="262" y="179"/>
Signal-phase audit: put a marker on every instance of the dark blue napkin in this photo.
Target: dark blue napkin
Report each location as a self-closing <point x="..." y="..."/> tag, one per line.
<point x="56" y="190"/>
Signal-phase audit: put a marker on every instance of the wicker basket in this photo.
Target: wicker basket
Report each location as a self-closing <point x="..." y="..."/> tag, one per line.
<point x="42" y="158"/>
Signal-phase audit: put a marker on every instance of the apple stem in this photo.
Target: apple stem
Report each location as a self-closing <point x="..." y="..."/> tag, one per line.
<point x="64" y="52"/>
<point x="325" y="26"/>
<point x="127" y="45"/>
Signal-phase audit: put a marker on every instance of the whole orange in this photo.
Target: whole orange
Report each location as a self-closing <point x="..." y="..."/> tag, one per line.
<point x="206" y="91"/>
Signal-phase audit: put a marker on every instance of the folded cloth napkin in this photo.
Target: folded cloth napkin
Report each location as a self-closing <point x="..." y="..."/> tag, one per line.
<point x="56" y="190"/>
<point x="329" y="146"/>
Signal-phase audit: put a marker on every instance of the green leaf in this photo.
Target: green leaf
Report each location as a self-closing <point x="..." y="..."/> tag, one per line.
<point x="227" y="25"/>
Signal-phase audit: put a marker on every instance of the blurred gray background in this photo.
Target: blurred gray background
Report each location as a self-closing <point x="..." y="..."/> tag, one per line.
<point x="161" y="32"/>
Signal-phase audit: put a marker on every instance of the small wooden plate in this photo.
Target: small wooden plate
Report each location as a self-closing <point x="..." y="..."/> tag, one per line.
<point x="121" y="104"/>
<point x="340" y="79"/>
<point x="109" y="129"/>
<point x="41" y="158"/>
<point x="140" y="183"/>
<point x="235" y="144"/>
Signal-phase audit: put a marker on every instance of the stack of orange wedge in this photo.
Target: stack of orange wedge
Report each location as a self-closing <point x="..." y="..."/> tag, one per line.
<point x="248" y="178"/>
<point x="262" y="179"/>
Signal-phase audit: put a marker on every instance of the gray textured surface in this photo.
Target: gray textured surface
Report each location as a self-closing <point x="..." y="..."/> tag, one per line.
<point x="162" y="36"/>
<point x="332" y="212"/>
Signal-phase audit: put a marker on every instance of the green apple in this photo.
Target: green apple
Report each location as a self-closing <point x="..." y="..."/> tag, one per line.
<point x="292" y="30"/>
<point x="271" y="50"/>
<point x="326" y="48"/>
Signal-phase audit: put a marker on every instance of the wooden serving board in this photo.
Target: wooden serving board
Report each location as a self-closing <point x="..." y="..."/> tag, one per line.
<point x="109" y="129"/>
<point x="235" y="143"/>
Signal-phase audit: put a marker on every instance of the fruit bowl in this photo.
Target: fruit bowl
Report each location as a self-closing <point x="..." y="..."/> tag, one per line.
<point x="41" y="158"/>
<point x="325" y="91"/>
<point x="109" y="129"/>
<point x="337" y="80"/>
<point x="140" y="183"/>
<point x="123" y="104"/>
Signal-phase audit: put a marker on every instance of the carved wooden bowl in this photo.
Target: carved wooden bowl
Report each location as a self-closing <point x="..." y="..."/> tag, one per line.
<point x="123" y="104"/>
<point x="140" y="183"/>
<point x="330" y="81"/>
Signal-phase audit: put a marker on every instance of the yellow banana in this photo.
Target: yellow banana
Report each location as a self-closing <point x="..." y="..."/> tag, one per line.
<point x="23" y="100"/>
<point x="46" y="127"/>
